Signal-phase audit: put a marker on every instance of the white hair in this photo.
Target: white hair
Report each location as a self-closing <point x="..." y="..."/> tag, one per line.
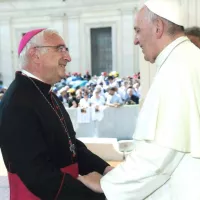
<point x="34" y="41"/>
<point x="171" y="27"/>
<point x="151" y="17"/>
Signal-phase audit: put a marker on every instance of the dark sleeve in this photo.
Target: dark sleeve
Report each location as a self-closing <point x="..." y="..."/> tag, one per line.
<point x="88" y="161"/>
<point x="22" y="142"/>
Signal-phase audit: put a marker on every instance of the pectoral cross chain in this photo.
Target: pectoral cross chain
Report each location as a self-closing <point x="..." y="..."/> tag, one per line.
<point x="72" y="148"/>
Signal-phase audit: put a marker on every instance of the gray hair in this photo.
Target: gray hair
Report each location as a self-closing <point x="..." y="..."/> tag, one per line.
<point x="193" y="31"/>
<point x="34" y="41"/>
<point x="172" y="28"/>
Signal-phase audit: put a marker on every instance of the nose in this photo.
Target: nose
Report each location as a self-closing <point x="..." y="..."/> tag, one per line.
<point x="67" y="56"/>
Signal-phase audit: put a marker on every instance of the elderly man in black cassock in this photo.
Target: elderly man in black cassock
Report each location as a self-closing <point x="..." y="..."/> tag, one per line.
<point x="44" y="159"/>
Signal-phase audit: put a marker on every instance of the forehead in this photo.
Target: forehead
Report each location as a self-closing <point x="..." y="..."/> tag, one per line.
<point x="140" y="18"/>
<point x="53" y="39"/>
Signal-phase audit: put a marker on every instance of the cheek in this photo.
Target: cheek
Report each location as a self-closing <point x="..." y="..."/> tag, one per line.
<point x="51" y="62"/>
<point x="147" y="42"/>
<point x="54" y="59"/>
<point x="142" y="40"/>
<point x="138" y="38"/>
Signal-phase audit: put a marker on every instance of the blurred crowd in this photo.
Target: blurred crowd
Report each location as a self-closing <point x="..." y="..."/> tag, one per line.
<point x="2" y="90"/>
<point x="107" y="89"/>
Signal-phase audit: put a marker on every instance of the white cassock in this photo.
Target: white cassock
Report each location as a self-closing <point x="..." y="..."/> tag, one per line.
<point x="165" y="164"/>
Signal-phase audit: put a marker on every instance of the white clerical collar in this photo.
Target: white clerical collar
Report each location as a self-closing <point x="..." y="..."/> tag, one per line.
<point x="167" y="50"/>
<point x="30" y="75"/>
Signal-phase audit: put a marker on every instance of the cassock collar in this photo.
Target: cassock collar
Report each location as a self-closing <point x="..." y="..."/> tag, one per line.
<point x="30" y="75"/>
<point x="161" y="58"/>
<point x="44" y="87"/>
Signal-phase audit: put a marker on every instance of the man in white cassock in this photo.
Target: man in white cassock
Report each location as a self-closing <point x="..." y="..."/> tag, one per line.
<point x="165" y="164"/>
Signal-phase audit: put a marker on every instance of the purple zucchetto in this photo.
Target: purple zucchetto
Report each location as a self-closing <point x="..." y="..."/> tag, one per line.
<point x="26" y="38"/>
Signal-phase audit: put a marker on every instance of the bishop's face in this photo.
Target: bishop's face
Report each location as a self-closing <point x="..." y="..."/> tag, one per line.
<point x="53" y="63"/>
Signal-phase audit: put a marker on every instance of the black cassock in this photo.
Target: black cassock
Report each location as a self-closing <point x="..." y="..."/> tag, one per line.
<point x="35" y="146"/>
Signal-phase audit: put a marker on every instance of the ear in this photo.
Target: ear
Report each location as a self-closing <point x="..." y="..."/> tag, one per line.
<point x="34" y="55"/>
<point x="159" y="28"/>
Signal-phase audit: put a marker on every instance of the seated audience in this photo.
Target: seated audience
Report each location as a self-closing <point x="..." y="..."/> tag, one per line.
<point x="85" y="102"/>
<point x="131" y="98"/>
<point x="113" y="100"/>
<point x="97" y="100"/>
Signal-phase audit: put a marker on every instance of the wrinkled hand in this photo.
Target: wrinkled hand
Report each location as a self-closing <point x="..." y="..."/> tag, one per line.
<point x="107" y="169"/>
<point x="92" y="181"/>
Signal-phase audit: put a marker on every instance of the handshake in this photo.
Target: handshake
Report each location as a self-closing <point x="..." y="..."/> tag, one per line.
<point x="92" y="180"/>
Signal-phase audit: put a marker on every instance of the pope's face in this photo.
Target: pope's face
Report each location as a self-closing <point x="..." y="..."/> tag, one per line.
<point x="54" y="61"/>
<point x="144" y="35"/>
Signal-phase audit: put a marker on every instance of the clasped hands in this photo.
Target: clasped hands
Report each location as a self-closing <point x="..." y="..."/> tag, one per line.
<point x="92" y="180"/>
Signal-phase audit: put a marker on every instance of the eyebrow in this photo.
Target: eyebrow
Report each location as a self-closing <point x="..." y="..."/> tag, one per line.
<point x="67" y="48"/>
<point x="61" y="45"/>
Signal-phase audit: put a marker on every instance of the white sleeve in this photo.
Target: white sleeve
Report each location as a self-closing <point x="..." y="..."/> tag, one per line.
<point x="108" y="99"/>
<point x="147" y="168"/>
<point x="120" y="100"/>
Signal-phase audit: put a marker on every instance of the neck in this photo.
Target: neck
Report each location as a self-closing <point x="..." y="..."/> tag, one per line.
<point x="29" y="74"/>
<point x="36" y="75"/>
<point x="165" y="41"/>
<point x="168" y="40"/>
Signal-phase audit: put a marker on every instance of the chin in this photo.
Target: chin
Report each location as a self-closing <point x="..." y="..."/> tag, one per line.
<point x="62" y="75"/>
<point x="149" y="59"/>
<point x="146" y="58"/>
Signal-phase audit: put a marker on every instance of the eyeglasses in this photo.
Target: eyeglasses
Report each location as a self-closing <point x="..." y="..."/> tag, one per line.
<point x="59" y="48"/>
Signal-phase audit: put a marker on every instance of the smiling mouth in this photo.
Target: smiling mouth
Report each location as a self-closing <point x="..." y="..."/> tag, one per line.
<point x="63" y="66"/>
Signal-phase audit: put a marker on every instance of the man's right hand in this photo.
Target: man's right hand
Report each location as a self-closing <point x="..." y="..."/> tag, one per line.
<point x="92" y="181"/>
